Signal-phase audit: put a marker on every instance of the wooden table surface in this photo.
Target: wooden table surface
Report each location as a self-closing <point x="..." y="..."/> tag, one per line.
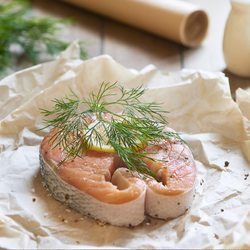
<point x="136" y="49"/>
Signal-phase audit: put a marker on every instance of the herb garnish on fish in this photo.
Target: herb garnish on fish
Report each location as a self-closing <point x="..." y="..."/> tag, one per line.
<point x="138" y="125"/>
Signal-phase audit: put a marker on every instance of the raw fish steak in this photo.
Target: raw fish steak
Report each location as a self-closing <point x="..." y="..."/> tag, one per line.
<point x="99" y="185"/>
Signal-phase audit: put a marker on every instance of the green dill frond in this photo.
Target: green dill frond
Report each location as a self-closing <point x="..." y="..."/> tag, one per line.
<point x="34" y="35"/>
<point x="128" y="133"/>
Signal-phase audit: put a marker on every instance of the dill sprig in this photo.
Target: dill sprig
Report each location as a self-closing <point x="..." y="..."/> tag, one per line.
<point x="33" y="35"/>
<point x="140" y="124"/>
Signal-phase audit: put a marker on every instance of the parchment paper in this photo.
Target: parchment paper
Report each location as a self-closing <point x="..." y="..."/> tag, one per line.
<point x="180" y="21"/>
<point x="201" y="107"/>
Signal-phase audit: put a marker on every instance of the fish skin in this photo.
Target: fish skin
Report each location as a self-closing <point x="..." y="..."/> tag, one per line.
<point x="126" y="214"/>
<point x="168" y="206"/>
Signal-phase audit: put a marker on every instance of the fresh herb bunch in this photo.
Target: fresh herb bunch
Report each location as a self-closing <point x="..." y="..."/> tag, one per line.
<point x="34" y="35"/>
<point x="140" y="124"/>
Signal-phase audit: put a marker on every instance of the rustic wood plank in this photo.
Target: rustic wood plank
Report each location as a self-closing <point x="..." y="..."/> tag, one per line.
<point x="87" y="27"/>
<point x="136" y="49"/>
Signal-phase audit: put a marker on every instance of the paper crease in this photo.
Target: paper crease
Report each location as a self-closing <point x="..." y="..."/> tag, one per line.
<point x="216" y="127"/>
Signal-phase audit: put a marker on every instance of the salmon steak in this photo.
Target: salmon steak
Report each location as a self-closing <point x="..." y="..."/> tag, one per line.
<point x="99" y="185"/>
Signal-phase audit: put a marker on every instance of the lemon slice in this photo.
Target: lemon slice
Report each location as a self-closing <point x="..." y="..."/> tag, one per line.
<point x="95" y="145"/>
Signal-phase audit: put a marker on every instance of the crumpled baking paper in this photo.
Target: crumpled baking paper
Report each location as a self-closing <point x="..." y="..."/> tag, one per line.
<point x="216" y="127"/>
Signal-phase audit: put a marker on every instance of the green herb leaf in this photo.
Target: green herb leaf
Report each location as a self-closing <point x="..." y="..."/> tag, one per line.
<point x="140" y="124"/>
<point x="34" y="35"/>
